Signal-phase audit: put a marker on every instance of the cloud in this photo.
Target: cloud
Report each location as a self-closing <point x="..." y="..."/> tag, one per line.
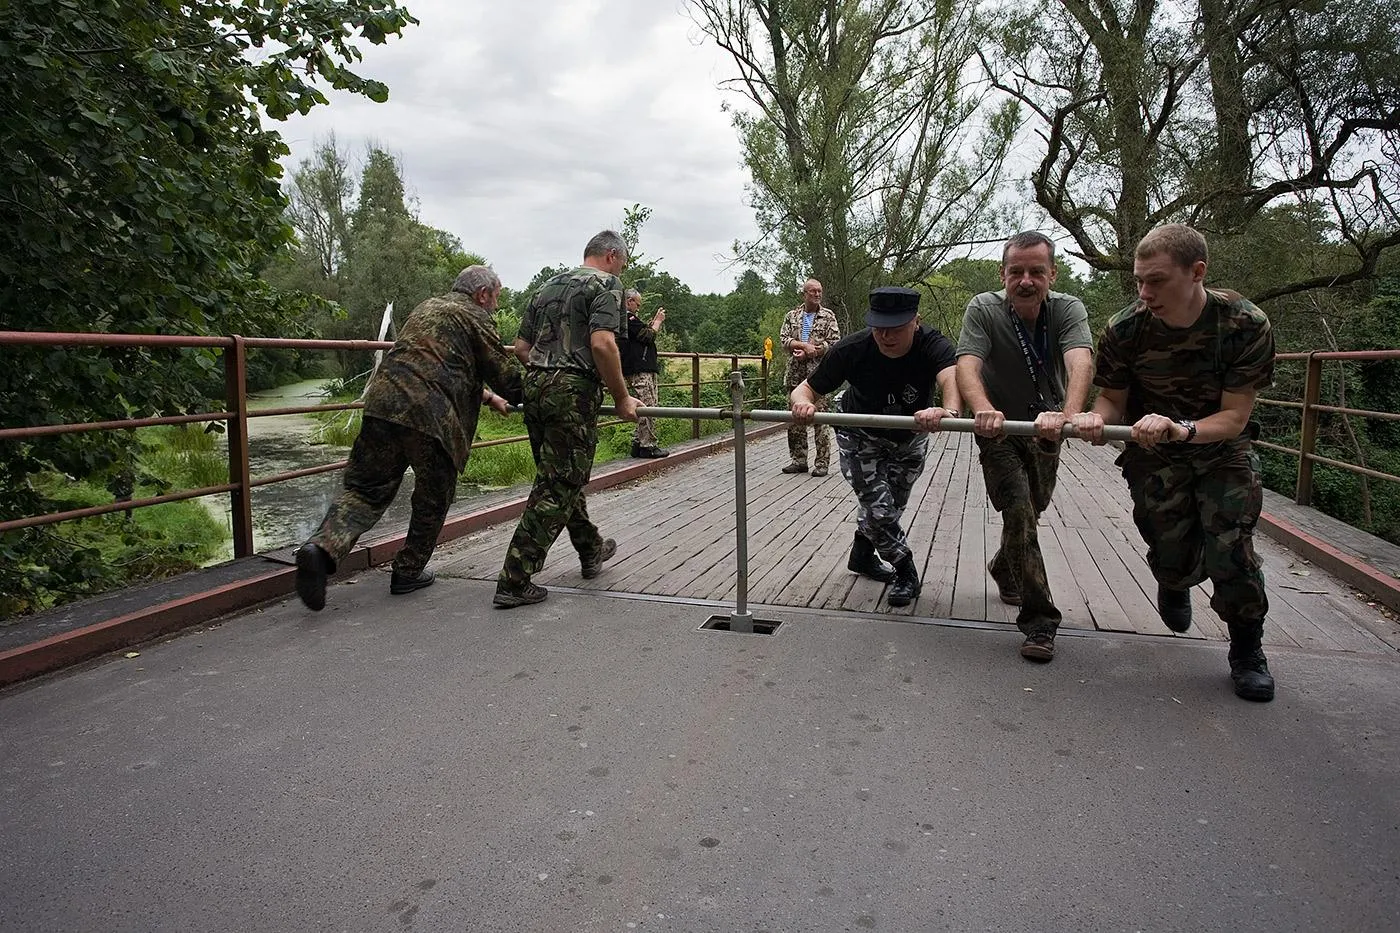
<point x="526" y="127"/>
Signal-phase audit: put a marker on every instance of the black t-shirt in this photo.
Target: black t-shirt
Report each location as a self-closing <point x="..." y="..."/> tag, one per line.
<point x="881" y="385"/>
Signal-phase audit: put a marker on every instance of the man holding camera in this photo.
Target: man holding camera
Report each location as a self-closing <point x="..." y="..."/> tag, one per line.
<point x="1025" y="354"/>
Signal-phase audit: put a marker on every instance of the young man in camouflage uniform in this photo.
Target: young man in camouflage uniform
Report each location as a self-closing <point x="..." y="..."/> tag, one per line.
<point x="1183" y="366"/>
<point x="569" y="341"/>
<point x="892" y="367"/>
<point x="809" y="330"/>
<point x="1025" y="353"/>
<point x="640" y="366"/>
<point x="420" y="410"/>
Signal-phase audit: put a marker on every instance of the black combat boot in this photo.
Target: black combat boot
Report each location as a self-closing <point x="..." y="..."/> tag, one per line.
<point x="1174" y="606"/>
<point x="905" y="588"/>
<point x="1249" y="669"/>
<point x="866" y="562"/>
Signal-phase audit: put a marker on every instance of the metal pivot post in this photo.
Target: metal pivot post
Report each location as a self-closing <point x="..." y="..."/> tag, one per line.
<point x="740" y="620"/>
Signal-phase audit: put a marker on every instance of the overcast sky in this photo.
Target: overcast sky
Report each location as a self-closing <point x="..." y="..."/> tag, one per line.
<point x="525" y="127"/>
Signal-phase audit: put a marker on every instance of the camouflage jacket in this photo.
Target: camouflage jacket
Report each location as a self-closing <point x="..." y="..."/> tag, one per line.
<point x="825" y="332"/>
<point x="431" y="379"/>
<point x="1182" y="372"/>
<point x="560" y="320"/>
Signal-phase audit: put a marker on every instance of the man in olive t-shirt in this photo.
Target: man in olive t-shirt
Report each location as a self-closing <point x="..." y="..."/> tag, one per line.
<point x="1024" y="355"/>
<point x="1183" y="366"/>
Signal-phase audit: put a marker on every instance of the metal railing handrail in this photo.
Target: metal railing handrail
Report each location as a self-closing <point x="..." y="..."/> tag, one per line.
<point x="237" y="413"/>
<point x="1312" y="407"/>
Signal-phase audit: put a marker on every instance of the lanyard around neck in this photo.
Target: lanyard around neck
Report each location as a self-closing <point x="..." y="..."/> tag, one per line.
<point x="1034" y="364"/>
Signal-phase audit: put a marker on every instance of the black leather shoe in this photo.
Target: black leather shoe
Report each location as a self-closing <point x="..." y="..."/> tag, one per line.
<point x="905" y="588"/>
<point x="1175" y="608"/>
<point x="399" y="585"/>
<point x="651" y="453"/>
<point x="313" y="566"/>
<point x="1250" y="674"/>
<point x="866" y="562"/>
<point x="591" y="568"/>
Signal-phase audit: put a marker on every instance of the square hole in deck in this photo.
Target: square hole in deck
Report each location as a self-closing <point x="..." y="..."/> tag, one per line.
<point x="724" y="624"/>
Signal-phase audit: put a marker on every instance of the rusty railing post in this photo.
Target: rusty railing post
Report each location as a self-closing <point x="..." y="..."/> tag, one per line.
<point x="1312" y="394"/>
<point x="236" y="399"/>
<point x="694" y="394"/>
<point x="763" y="378"/>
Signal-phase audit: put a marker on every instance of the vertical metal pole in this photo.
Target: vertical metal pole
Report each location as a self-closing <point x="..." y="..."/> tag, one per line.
<point x="236" y="397"/>
<point x="763" y="379"/>
<point x="1312" y="394"/>
<point x="695" y="394"/>
<point x="740" y="620"/>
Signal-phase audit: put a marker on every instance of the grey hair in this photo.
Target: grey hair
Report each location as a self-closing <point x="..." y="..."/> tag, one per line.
<point x="604" y="242"/>
<point x="1028" y="239"/>
<point x="473" y="279"/>
<point x="631" y="293"/>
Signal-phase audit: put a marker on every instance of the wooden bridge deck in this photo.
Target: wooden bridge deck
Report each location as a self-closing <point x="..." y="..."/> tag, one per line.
<point x="675" y="535"/>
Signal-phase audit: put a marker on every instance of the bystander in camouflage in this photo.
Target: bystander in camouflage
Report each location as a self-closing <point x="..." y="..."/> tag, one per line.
<point x="809" y="330"/>
<point x="1183" y="366"/>
<point x="568" y="340"/>
<point x="421" y="410"/>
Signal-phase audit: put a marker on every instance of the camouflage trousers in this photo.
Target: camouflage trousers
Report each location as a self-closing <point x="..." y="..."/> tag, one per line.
<point x="561" y="416"/>
<point x="1020" y="477"/>
<point x="1196" y="509"/>
<point x="881" y="472"/>
<point x="372" y="477"/>
<point x="797" y="439"/>
<point x="643" y="388"/>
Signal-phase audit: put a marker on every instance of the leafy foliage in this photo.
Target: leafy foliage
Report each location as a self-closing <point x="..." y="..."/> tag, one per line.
<point x="139" y="193"/>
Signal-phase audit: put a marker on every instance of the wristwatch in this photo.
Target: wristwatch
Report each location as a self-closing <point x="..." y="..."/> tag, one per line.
<point x="1190" y="427"/>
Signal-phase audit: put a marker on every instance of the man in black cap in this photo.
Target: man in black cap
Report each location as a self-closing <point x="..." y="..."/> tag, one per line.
<point x="892" y="367"/>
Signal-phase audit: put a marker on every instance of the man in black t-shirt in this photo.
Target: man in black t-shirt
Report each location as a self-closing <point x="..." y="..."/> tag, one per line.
<point x="892" y="367"/>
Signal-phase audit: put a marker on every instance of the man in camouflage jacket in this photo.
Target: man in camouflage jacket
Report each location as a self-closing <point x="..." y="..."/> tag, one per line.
<point x="809" y="330"/>
<point x="569" y="341"/>
<point x="1183" y="366"/>
<point x="421" y="409"/>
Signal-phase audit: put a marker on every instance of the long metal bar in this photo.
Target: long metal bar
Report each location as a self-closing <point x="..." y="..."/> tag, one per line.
<point x="45" y="430"/>
<point x="53" y="518"/>
<point x="1342" y="355"/>
<point x="740" y="620"/>
<point x="1112" y="432"/>
<point x="1350" y="468"/>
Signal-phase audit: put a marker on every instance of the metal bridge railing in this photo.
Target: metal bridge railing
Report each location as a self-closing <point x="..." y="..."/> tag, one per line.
<point x="236" y="414"/>
<point x="1311" y="407"/>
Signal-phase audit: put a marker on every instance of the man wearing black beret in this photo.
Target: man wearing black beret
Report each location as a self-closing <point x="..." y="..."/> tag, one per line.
<point x="893" y="367"/>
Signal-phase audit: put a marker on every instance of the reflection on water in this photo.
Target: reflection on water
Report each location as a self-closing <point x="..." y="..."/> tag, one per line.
<point x="287" y="513"/>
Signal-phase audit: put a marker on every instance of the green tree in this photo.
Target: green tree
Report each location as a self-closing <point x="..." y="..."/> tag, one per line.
<point x="871" y="153"/>
<point x="1212" y="114"/>
<point x="139" y="193"/>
